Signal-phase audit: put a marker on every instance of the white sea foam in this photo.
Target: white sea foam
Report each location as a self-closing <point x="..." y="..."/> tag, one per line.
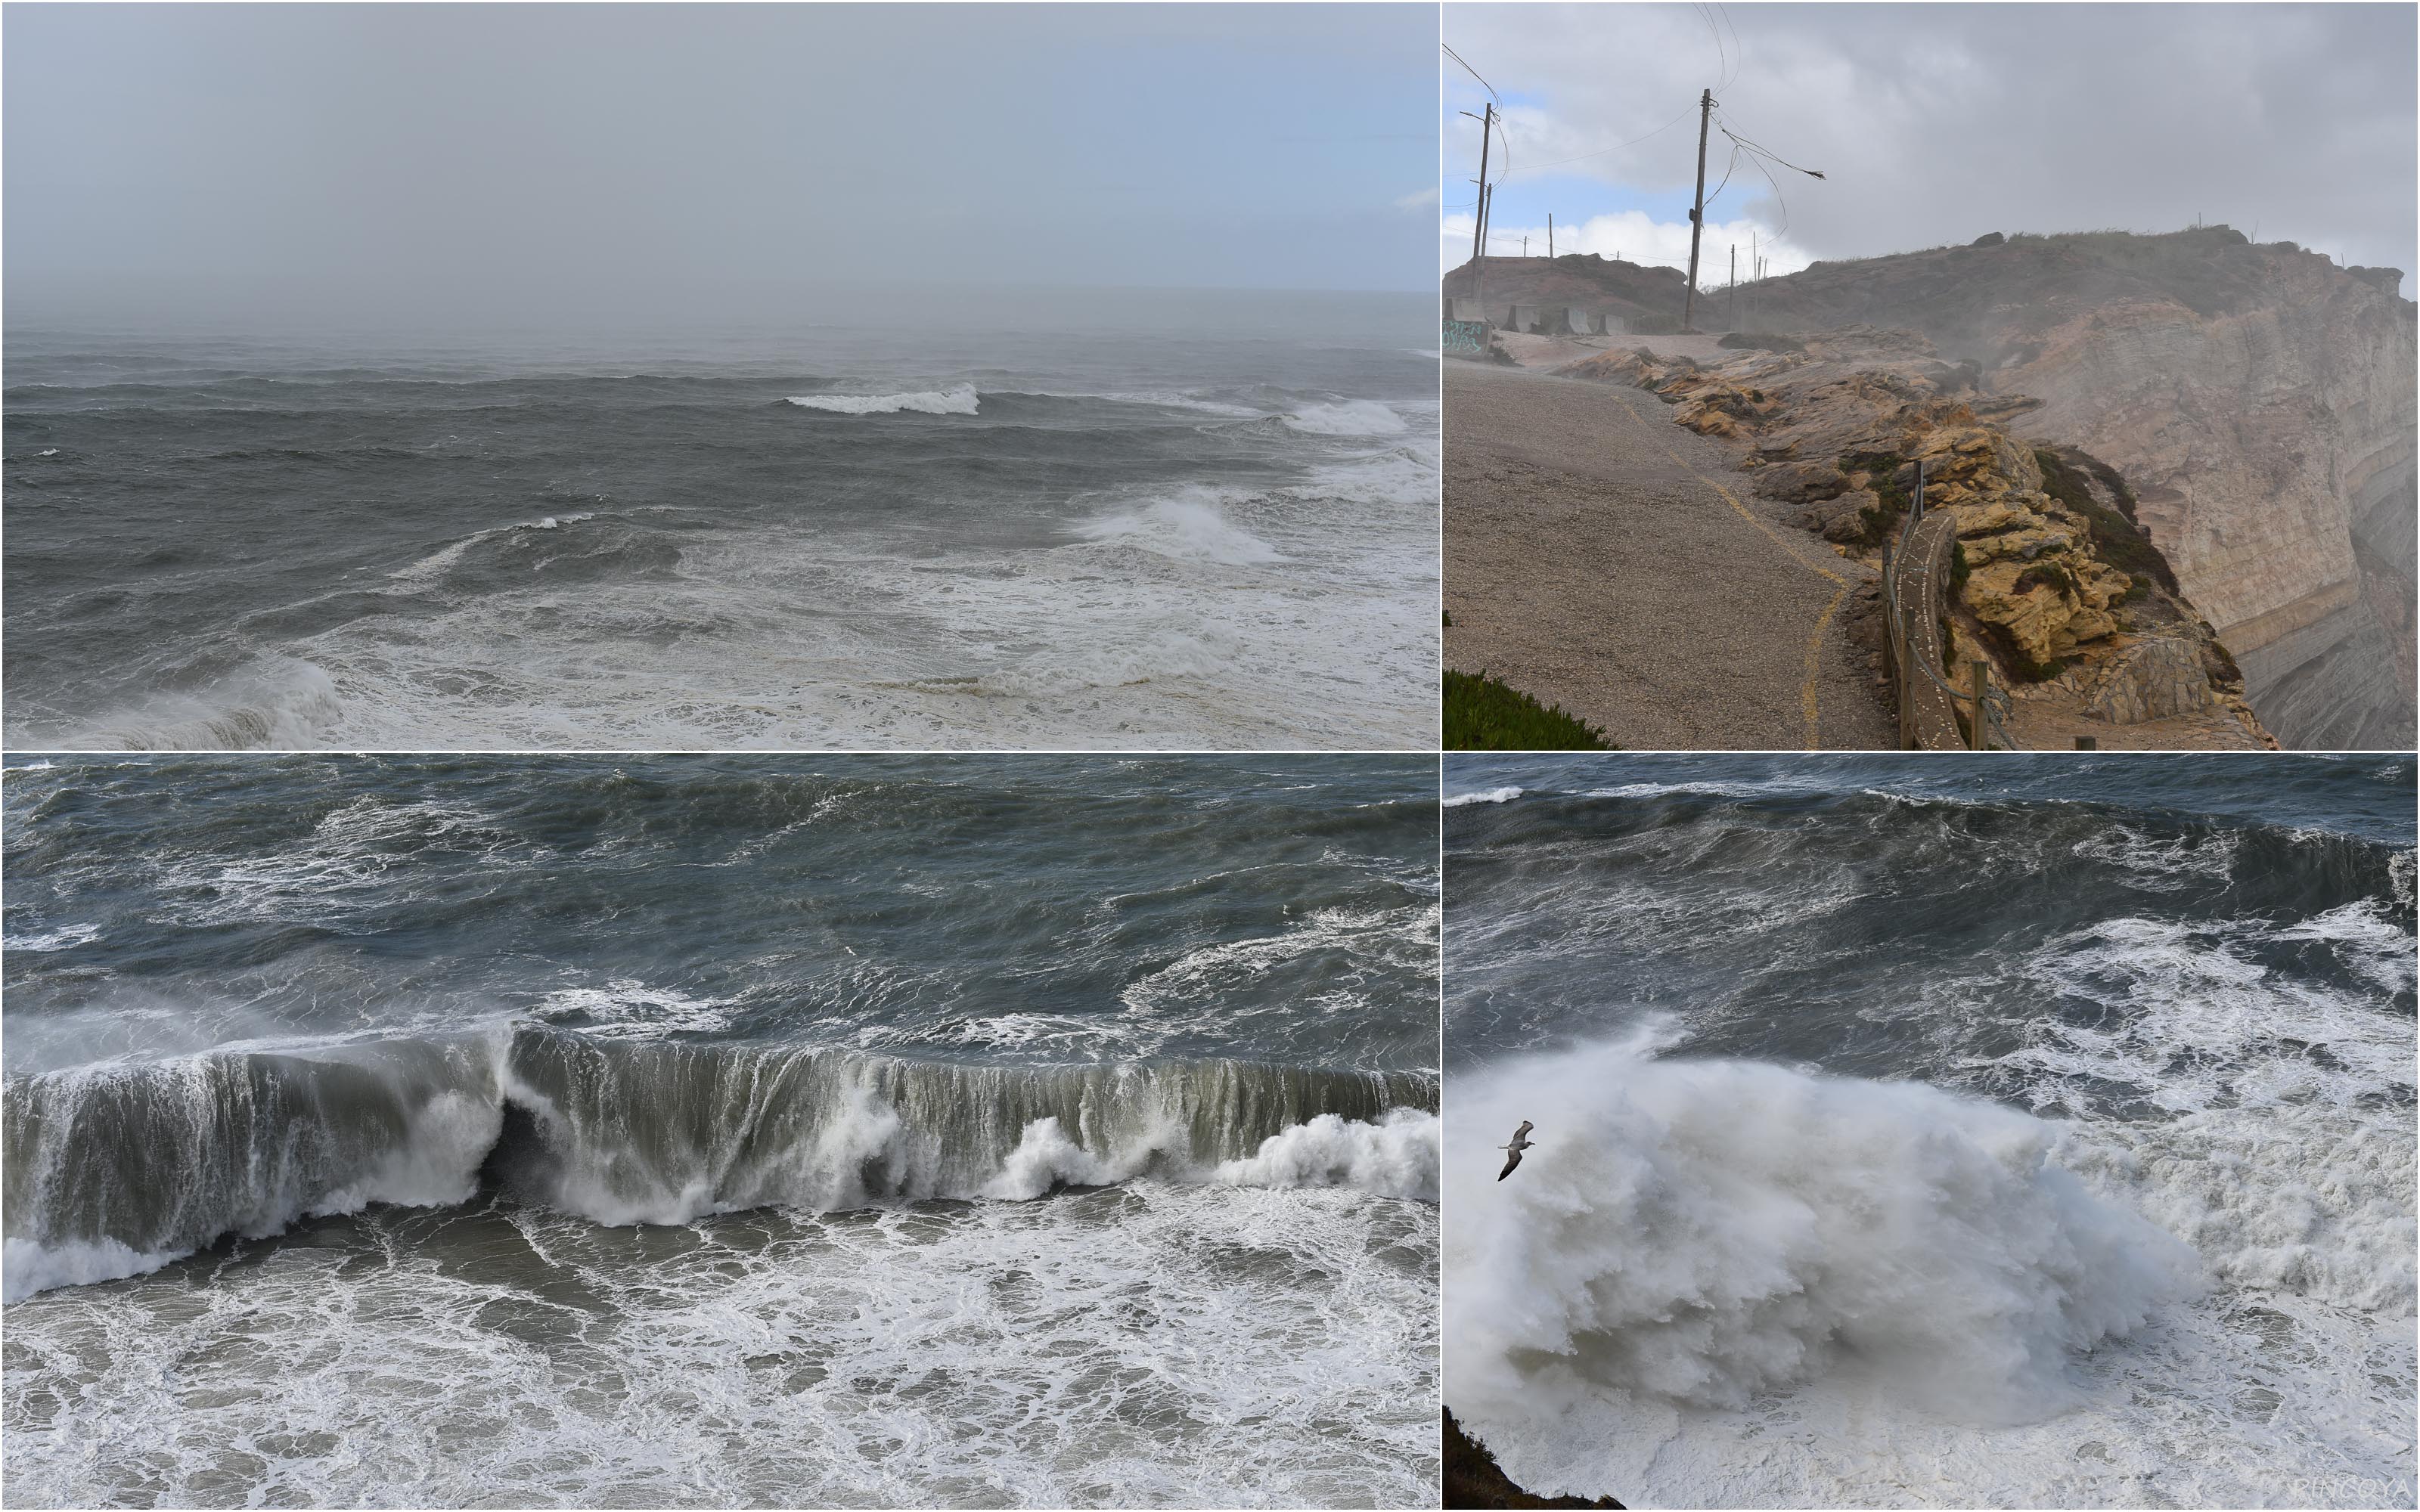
<point x="66" y="938"/>
<point x="1157" y="1346"/>
<point x="2196" y="1022"/>
<point x="1502" y="794"/>
<point x="27" y="1267"/>
<point x="1346" y="417"/>
<point x="1189" y="527"/>
<point x="632" y="1009"/>
<point x="1395" y="1157"/>
<point x="961" y="400"/>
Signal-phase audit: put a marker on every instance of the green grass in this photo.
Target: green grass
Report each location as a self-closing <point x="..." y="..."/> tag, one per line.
<point x="1481" y="714"/>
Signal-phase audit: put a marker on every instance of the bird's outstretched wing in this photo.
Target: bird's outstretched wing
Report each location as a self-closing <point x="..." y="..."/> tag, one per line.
<point x="1523" y="1132"/>
<point x="1510" y="1161"/>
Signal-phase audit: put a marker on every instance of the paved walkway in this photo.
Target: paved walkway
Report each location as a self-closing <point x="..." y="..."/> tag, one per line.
<point x="1600" y="556"/>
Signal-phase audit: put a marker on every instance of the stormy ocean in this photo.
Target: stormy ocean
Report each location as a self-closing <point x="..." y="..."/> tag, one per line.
<point x="722" y="1130"/>
<point x="2026" y="1131"/>
<point x="1175" y="521"/>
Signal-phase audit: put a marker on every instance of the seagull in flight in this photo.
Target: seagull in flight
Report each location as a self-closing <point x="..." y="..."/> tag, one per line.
<point x="1521" y="1141"/>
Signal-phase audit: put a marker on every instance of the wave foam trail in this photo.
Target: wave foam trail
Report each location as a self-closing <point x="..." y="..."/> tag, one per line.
<point x="961" y="400"/>
<point x="1348" y="417"/>
<point x="1702" y="1232"/>
<point x="1190" y="527"/>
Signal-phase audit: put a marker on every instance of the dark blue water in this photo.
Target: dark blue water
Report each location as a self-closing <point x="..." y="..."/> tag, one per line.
<point x="2029" y="1129"/>
<point x="967" y="1129"/>
<point x="1206" y="522"/>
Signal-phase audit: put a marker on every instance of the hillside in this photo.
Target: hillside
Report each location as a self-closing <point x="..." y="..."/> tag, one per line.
<point x="2259" y="399"/>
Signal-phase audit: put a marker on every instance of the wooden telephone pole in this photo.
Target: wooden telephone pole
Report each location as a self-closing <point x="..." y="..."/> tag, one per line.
<point x="1697" y="214"/>
<point x="1550" y="236"/>
<point x="1479" y="232"/>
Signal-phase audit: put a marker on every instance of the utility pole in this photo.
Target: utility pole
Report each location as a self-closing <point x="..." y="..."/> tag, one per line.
<point x="1479" y="232"/>
<point x="1697" y="215"/>
<point x="1550" y="236"/>
<point x="1733" y="316"/>
<point x="1524" y="244"/>
<point x="1486" y="135"/>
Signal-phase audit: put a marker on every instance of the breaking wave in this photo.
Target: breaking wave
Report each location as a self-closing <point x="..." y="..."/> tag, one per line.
<point x="118" y="1168"/>
<point x="1190" y="527"/>
<point x="1347" y="417"/>
<point x="961" y="400"/>
<point x="1703" y="1232"/>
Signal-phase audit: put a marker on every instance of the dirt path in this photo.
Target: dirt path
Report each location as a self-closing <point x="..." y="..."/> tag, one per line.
<point x="1600" y="556"/>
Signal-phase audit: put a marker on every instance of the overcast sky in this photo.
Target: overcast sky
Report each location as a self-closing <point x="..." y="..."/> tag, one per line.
<point x="1937" y="123"/>
<point x="629" y="161"/>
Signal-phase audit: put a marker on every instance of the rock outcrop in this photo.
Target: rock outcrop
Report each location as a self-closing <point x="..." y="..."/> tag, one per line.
<point x="2055" y="583"/>
<point x="2273" y="453"/>
<point x="2260" y="400"/>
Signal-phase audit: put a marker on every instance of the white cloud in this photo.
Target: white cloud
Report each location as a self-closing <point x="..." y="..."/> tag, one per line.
<point x="1422" y="199"/>
<point x="1636" y="237"/>
<point x="1936" y="123"/>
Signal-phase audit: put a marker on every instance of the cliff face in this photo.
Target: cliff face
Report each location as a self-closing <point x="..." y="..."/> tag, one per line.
<point x="2272" y="451"/>
<point x="2259" y="399"/>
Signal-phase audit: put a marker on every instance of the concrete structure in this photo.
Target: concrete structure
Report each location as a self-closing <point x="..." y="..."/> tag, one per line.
<point x="1526" y="319"/>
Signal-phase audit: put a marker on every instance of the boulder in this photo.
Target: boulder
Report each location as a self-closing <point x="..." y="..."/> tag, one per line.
<point x="1802" y="482"/>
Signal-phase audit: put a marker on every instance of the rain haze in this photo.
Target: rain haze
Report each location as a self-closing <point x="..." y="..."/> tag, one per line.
<point x="1934" y="124"/>
<point x="705" y="377"/>
<point x="629" y="164"/>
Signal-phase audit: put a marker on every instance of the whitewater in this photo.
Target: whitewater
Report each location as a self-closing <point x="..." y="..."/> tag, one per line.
<point x="2036" y="1136"/>
<point x="1209" y="525"/>
<point x="922" y="1131"/>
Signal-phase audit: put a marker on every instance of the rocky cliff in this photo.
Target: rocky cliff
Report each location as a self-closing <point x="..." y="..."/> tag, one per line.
<point x="2055" y="581"/>
<point x="2260" y="400"/>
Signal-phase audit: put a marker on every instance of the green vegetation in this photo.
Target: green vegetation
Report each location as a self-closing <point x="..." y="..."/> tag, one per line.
<point x="2020" y="667"/>
<point x="2116" y="537"/>
<point x="1890" y="494"/>
<point x="2044" y="572"/>
<point x="1481" y="714"/>
<point x="1957" y="567"/>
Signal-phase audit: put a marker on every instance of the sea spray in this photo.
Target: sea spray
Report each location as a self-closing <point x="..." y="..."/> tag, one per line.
<point x="1703" y="1232"/>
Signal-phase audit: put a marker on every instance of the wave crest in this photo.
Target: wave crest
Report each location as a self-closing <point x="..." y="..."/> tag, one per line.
<point x="960" y="400"/>
<point x="123" y="1168"/>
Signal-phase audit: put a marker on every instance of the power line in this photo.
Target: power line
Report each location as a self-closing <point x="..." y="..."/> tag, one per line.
<point x="1473" y="74"/>
<point x="1768" y="152"/>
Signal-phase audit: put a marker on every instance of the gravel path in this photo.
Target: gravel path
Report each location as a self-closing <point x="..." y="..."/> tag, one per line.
<point x="1600" y="556"/>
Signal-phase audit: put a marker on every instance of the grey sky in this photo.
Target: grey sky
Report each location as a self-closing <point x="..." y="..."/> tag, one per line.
<point x="637" y="162"/>
<point x="1936" y="123"/>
